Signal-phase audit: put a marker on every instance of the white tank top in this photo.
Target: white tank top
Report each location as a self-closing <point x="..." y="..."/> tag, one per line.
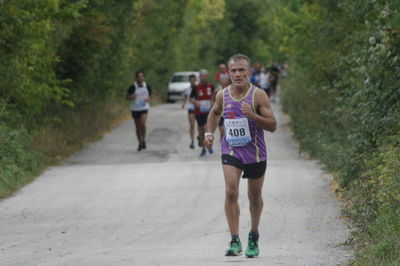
<point x="140" y="103"/>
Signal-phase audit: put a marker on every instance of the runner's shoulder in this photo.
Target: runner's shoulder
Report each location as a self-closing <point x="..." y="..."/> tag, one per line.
<point x="219" y="95"/>
<point x="260" y="95"/>
<point x="258" y="91"/>
<point x="131" y="89"/>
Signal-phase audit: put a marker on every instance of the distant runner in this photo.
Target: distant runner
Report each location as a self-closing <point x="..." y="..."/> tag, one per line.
<point x="274" y="70"/>
<point x="140" y="95"/>
<point x="222" y="74"/>
<point x="247" y="113"/>
<point x="190" y="108"/>
<point x="265" y="78"/>
<point x="224" y="82"/>
<point x="201" y="97"/>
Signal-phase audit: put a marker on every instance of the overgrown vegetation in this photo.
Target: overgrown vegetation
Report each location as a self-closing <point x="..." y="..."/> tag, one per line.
<point x="64" y="61"/>
<point x="65" y="66"/>
<point x="344" y="100"/>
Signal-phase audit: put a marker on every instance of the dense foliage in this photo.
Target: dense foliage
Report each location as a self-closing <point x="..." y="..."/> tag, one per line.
<point x="62" y="60"/>
<point x="344" y="100"/>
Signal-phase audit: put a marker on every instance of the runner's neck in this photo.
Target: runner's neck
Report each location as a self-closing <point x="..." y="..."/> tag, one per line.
<point x="238" y="92"/>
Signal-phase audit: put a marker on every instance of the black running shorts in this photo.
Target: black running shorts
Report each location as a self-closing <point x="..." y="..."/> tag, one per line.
<point x="138" y="114"/>
<point x="201" y="119"/>
<point x="253" y="170"/>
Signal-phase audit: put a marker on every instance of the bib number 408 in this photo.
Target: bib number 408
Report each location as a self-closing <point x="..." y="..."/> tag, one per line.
<point x="235" y="132"/>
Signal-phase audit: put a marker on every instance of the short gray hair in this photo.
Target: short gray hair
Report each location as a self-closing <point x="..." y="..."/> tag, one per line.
<point x="238" y="57"/>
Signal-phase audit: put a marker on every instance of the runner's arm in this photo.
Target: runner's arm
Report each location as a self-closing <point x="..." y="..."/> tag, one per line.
<point x="185" y="99"/>
<point x="192" y="97"/>
<point x="214" y="96"/>
<point x="148" y="99"/>
<point x="215" y="113"/>
<point x="130" y="94"/>
<point x="265" y="116"/>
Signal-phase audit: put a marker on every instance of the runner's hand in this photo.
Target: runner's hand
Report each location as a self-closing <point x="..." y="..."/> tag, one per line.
<point x="247" y="110"/>
<point x="132" y="96"/>
<point x="208" y="142"/>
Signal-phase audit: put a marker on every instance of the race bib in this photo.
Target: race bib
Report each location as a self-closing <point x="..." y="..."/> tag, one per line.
<point x="190" y="106"/>
<point x="205" y="106"/>
<point x="237" y="132"/>
<point x="141" y="103"/>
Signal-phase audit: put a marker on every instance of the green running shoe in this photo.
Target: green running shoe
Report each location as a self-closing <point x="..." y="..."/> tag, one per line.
<point x="252" y="248"/>
<point x="235" y="248"/>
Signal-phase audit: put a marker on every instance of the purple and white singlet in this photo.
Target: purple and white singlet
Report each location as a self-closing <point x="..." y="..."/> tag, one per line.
<point x="243" y="138"/>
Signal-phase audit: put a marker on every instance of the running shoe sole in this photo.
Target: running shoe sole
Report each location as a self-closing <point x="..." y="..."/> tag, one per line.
<point x="232" y="254"/>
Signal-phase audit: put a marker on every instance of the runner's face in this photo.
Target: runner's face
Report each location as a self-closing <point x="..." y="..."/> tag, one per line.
<point x="140" y="77"/>
<point x="239" y="72"/>
<point x="203" y="78"/>
<point x="192" y="80"/>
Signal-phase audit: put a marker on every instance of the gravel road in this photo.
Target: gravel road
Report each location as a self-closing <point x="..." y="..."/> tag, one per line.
<point x="111" y="205"/>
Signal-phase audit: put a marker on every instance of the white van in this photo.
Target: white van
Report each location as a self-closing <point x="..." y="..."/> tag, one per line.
<point x="178" y="85"/>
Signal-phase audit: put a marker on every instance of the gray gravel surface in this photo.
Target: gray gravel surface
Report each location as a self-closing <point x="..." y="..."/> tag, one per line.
<point x="111" y="205"/>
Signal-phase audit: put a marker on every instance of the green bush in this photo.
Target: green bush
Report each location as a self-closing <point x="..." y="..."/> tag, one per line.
<point x="380" y="240"/>
<point x="61" y="60"/>
<point x="344" y="100"/>
<point x="378" y="188"/>
<point x="18" y="161"/>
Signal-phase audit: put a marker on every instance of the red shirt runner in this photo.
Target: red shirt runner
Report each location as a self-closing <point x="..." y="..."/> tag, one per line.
<point x="204" y="94"/>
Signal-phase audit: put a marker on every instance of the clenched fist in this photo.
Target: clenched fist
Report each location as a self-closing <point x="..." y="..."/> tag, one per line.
<point x="209" y="141"/>
<point x="247" y="110"/>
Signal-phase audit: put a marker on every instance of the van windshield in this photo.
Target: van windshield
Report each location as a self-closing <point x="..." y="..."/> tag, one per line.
<point x="180" y="78"/>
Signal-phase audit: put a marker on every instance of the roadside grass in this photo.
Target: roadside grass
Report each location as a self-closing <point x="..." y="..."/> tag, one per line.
<point x="18" y="162"/>
<point x="59" y="140"/>
<point x="372" y="196"/>
<point x="23" y="155"/>
<point x="379" y="243"/>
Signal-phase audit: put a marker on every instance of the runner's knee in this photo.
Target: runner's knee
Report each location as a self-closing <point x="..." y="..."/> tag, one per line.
<point x="255" y="198"/>
<point x="232" y="193"/>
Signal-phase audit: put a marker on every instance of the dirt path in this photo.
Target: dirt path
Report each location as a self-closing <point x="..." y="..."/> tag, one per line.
<point x="110" y="205"/>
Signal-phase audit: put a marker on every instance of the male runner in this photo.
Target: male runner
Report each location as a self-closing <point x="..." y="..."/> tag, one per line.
<point x="221" y="74"/>
<point x="274" y="70"/>
<point x="247" y="113"/>
<point x="224" y="82"/>
<point x="190" y="107"/>
<point x="201" y="98"/>
<point x="140" y="95"/>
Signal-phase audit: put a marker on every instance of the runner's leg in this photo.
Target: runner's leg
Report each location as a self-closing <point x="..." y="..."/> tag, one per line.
<point x="256" y="202"/>
<point x="138" y="128"/>
<point x="143" y="120"/>
<point x="138" y="131"/>
<point x="202" y="131"/>
<point x="192" y="121"/>
<point x="232" y="210"/>
<point x="201" y="128"/>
